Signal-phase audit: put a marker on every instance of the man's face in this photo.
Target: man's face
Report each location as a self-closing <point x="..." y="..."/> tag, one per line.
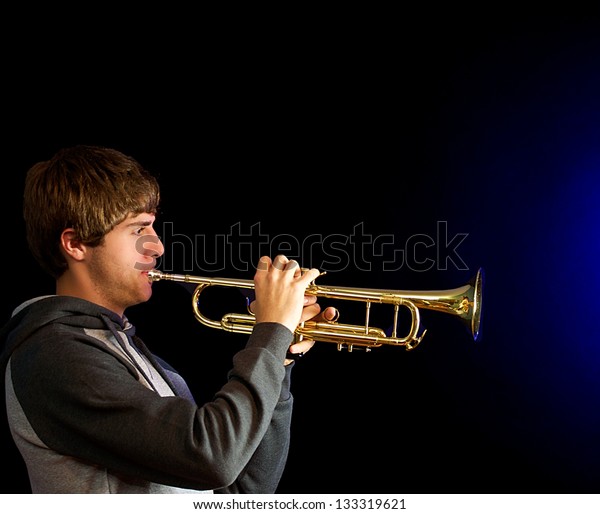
<point x="119" y="267"/>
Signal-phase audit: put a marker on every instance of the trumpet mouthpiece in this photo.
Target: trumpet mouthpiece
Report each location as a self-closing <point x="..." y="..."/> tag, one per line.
<point x="154" y="275"/>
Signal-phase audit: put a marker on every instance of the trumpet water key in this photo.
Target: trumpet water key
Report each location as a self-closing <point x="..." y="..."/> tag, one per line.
<point x="463" y="302"/>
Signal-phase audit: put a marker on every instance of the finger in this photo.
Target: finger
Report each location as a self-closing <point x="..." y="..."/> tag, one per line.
<point x="279" y="262"/>
<point x="310" y="312"/>
<point x="310" y="299"/>
<point x="264" y="263"/>
<point x="309" y="275"/>
<point x="330" y="314"/>
<point x="302" y="346"/>
<point x="297" y="270"/>
<point x="295" y="267"/>
<point x="282" y="263"/>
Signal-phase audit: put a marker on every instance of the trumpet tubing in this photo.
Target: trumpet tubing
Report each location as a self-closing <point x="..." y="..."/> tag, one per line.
<point x="463" y="302"/>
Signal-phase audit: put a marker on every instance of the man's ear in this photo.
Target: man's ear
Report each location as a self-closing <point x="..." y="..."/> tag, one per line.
<point x="71" y="245"/>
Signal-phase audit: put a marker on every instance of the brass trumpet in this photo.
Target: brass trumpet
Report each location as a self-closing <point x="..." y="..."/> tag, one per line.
<point x="463" y="302"/>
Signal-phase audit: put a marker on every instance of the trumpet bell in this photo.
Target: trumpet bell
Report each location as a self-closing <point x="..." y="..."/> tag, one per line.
<point x="475" y="322"/>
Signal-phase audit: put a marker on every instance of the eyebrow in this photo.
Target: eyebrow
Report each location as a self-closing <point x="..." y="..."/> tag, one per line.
<point x="140" y="223"/>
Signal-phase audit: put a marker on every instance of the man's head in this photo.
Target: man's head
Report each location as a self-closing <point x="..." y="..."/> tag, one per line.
<point x="88" y="189"/>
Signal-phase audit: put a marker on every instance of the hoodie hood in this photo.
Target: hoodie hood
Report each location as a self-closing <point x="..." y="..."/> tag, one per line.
<point x="34" y="314"/>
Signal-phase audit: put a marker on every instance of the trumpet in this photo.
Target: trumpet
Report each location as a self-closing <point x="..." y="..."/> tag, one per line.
<point x="462" y="302"/>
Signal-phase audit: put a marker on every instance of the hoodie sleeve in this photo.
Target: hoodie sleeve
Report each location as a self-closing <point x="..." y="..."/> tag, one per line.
<point x="265" y="469"/>
<point x="81" y="400"/>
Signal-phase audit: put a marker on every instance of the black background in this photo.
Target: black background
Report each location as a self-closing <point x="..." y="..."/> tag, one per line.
<point x="485" y="124"/>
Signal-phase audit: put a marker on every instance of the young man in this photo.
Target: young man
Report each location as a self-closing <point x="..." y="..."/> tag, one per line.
<point x="90" y="408"/>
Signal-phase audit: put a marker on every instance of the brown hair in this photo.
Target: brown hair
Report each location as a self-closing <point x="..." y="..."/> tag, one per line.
<point x="87" y="188"/>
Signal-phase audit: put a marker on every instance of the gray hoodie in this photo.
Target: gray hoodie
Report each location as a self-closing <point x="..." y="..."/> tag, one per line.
<point x="92" y="410"/>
